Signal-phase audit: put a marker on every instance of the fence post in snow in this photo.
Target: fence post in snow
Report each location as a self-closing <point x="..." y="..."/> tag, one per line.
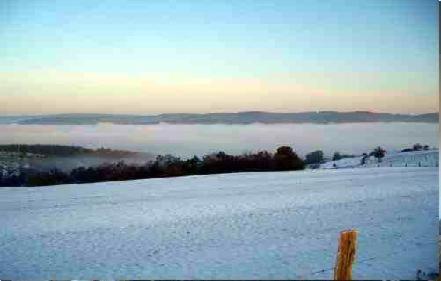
<point x="346" y="255"/>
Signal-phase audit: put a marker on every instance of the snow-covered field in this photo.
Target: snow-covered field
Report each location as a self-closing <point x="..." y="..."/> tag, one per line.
<point x="242" y="226"/>
<point x="428" y="158"/>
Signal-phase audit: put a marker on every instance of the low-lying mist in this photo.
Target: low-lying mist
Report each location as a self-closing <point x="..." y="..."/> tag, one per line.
<point x="66" y="164"/>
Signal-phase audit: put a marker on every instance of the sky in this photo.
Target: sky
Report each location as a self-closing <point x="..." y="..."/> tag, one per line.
<point x="147" y="57"/>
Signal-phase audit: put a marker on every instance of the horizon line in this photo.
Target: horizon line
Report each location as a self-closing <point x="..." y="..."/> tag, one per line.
<point x="216" y="112"/>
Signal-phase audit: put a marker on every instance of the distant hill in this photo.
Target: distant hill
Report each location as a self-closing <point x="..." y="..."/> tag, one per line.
<point x="320" y="117"/>
<point x="66" y="150"/>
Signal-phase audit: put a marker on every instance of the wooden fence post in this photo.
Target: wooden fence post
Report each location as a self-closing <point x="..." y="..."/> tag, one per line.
<point x="346" y="255"/>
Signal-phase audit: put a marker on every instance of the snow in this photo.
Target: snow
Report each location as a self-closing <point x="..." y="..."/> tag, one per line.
<point x="281" y="225"/>
<point x="428" y="158"/>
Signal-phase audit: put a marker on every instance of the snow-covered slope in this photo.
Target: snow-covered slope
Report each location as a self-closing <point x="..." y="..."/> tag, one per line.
<point x="401" y="159"/>
<point x="252" y="225"/>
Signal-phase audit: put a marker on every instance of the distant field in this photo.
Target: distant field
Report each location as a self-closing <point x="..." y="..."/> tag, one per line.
<point x="428" y="158"/>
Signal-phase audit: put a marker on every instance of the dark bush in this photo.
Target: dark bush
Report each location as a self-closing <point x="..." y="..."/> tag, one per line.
<point x="286" y="159"/>
<point x="315" y="157"/>
<point x="378" y="153"/>
<point x="364" y="158"/>
<point x="52" y="177"/>
<point x="417" y="147"/>
<point x="336" y="157"/>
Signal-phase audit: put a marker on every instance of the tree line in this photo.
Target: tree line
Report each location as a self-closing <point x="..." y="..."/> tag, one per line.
<point x="62" y="150"/>
<point x="284" y="159"/>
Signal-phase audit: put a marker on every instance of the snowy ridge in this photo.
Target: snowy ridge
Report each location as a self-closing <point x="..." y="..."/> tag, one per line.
<point x="281" y="225"/>
<point x="428" y="158"/>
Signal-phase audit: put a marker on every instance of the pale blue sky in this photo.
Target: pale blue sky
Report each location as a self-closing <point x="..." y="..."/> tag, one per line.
<point x="394" y="40"/>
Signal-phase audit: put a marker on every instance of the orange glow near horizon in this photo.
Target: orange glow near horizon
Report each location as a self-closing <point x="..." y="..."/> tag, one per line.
<point x="58" y="92"/>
